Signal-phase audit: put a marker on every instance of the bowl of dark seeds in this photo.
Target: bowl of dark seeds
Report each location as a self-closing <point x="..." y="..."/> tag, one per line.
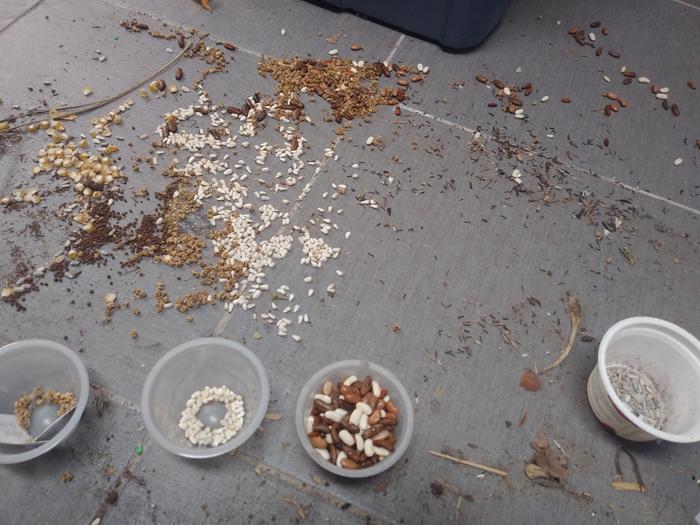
<point x="646" y="384"/>
<point x="44" y="389"/>
<point x="354" y="419"/>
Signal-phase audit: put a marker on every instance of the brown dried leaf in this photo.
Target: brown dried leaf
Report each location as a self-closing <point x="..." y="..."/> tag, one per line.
<point x="205" y="4"/>
<point x="529" y="381"/>
<point x="540" y="442"/>
<point x="553" y="465"/>
<point x="532" y="471"/>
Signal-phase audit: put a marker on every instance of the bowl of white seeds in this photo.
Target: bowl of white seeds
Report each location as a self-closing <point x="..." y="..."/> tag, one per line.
<point x="354" y="419"/>
<point x="205" y="398"/>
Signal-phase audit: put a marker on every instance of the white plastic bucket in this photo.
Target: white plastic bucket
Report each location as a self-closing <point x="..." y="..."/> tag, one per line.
<point x="671" y="357"/>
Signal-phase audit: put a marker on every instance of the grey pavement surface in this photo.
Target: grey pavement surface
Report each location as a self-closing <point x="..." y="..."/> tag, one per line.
<point x="452" y="244"/>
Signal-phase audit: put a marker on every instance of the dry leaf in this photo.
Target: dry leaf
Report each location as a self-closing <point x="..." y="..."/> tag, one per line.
<point x="205" y="4"/>
<point x="532" y="471"/>
<point x="529" y="381"/>
<point x="575" y="315"/>
<point x="553" y="465"/>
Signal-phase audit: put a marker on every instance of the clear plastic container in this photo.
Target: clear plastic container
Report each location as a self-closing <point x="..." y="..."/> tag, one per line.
<point x="671" y="357"/>
<point x="40" y="363"/>
<point x="341" y="370"/>
<point x="209" y="361"/>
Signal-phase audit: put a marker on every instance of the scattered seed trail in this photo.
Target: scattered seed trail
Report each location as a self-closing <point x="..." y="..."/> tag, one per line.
<point x="610" y="180"/>
<point x="212" y="37"/>
<point x="441" y="120"/>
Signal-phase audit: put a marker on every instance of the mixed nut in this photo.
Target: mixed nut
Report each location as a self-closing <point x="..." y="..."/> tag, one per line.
<point x="352" y="423"/>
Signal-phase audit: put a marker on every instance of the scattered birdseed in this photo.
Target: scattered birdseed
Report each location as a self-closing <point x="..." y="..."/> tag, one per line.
<point x="639" y="392"/>
<point x="161" y="297"/>
<point x="678" y="161"/>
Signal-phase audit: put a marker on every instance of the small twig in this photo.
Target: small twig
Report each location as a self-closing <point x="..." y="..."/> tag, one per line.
<point x="635" y="467"/>
<point x="472" y="464"/>
<point x="619" y="482"/>
<point x="507" y="339"/>
<point x="575" y="315"/>
<point x="301" y="511"/>
<point x="560" y="448"/>
<point x="70" y="112"/>
<point x="626" y="486"/>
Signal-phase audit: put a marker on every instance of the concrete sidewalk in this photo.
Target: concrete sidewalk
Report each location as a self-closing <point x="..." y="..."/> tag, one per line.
<point x="457" y="283"/>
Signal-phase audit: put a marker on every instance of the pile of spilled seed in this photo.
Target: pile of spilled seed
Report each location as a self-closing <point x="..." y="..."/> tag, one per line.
<point x="350" y="87"/>
<point x="215" y="213"/>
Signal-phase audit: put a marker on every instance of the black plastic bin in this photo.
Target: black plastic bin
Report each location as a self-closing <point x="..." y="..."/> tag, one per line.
<point x="454" y="24"/>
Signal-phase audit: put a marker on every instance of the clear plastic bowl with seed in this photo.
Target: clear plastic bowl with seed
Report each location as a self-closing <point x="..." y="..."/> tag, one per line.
<point x="337" y="372"/>
<point x="671" y="357"/>
<point x="49" y="365"/>
<point x="209" y="361"/>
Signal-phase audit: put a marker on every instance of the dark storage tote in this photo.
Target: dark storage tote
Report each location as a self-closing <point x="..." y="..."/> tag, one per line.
<point x="455" y="24"/>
